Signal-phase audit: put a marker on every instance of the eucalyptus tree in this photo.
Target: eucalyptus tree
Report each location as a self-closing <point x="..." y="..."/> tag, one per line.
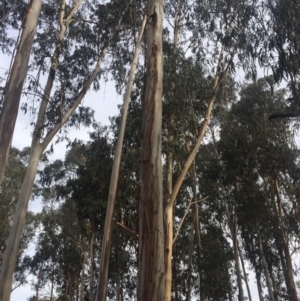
<point x="101" y="294"/>
<point x="14" y="85"/>
<point x="226" y="37"/>
<point x="56" y="107"/>
<point x="9" y="191"/>
<point x="80" y="184"/>
<point x="151" y="271"/>
<point x="280" y="49"/>
<point x="252" y="149"/>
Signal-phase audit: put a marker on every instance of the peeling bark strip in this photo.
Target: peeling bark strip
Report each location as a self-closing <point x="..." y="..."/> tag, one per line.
<point x="15" y="83"/>
<point x="151" y="274"/>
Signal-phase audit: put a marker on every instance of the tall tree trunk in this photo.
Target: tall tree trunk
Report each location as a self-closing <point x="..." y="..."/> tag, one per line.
<point x="38" y="147"/>
<point x="290" y="282"/>
<point x="244" y="272"/>
<point x="168" y="210"/>
<point x="151" y="273"/>
<point x="34" y="157"/>
<point x="106" y="242"/>
<point x="198" y="235"/>
<point x="14" y="85"/>
<point x="265" y="266"/>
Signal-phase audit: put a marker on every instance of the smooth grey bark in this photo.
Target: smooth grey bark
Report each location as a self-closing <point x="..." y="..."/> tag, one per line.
<point x="151" y="270"/>
<point x="106" y="242"/>
<point x="14" y="85"/>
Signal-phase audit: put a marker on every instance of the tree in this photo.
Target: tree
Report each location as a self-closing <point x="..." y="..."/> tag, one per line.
<point x="101" y="291"/>
<point x="14" y="84"/>
<point x="51" y="117"/>
<point x="151" y="285"/>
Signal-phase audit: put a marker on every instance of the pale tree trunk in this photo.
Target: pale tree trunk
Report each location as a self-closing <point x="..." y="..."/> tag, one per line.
<point x="197" y="233"/>
<point x="106" y="242"/>
<point x="151" y="273"/>
<point x="168" y="210"/>
<point x="14" y="85"/>
<point x="195" y="226"/>
<point x="24" y="196"/>
<point x="265" y="266"/>
<point x="244" y="272"/>
<point x="290" y="283"/>
<point x="37" y="148"/>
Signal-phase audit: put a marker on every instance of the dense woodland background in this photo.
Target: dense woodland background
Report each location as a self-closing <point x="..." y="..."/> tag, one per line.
<point x="237" y="211"/>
